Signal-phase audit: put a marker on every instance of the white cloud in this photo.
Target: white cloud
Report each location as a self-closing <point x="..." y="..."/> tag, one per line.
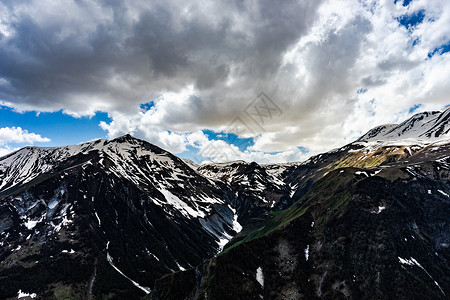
<point x="351" y="46"/>
<point x="221" y="151"/>
<point x="204" y="149"/>
<point x="16" y="135"/>
<point x="336" y="68"/>
<point x="6" y="150"/>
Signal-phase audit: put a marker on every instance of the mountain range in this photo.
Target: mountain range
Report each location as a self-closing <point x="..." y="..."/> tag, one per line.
<point x="125" y="219"/>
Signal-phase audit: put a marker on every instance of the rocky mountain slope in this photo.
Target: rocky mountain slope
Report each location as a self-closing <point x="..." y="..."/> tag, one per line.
<point x="421" y="135"/>
<point x="105" y="218"/>
<point x="108" y="219"/>
<point x="370" y="220"/>
<point x="426" y="127"/>
<point x="357" y="234"/>
<point x="256" y="189"/>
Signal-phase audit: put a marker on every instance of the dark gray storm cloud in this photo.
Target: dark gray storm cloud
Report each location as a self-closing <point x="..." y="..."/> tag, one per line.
<point x="108" y="55"/>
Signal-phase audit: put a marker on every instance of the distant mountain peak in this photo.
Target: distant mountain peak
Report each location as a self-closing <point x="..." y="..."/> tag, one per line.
<point x="229" y="163"/>
<point x="424" y="127"/>
<point x="377" y="131"/>
<point x="126" y="138"/>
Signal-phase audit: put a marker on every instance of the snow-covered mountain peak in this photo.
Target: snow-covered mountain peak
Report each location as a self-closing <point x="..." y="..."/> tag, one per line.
<point x="126" y="138"/>
<point x="27" y="163"/>
<point x="377" y="131"/>
<point x="173" y="188"/>
<point x="228" y="163"/>
<point x="125" y="156"/>
<point x="421" y="128"/>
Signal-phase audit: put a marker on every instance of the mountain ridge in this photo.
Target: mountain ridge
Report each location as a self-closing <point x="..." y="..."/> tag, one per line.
<point x="125" y="185"/>
<point x="421" y="127"/>
<point x="123" y="213"/>
<point x="369" y="220"/>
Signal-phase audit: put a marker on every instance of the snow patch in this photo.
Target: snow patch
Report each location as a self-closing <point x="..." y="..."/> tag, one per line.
<point x="236" y="226"/>
<point x="409" y="151"/>
<point x="30" y="224"/>
<point x="413" y="262"/>
<point x="375" y="173"/>
<point x="180" y="267"/>
<point x="180" y="205"/>
<point x="110" y="260"/>
<point x="151" y="254"/>
<point x="293" y="190"/>
<point x="443" y="193"/>
<point x="361" y="173"/>
<point x="260" y="276"/>
<point x="222" y="242"/>
<point x="21" y="294"/>
<point x="98" y="219"/>
<point x="380" y="209"/>
<point x="307" y="252"/>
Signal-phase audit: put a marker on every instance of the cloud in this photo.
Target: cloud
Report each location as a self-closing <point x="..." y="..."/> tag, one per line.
<point x="15" y="135"/>
<point x="6" y="150"/>
<point x="200" y="66"/>
<point x="201" y="147"/>
<point x="87" y="56"/>
<point x="223" y="151"/>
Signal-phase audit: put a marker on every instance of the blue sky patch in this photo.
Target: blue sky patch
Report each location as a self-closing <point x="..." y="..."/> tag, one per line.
<point x="361" y="91"/>
<point x="412" y="20"/>
<point x="192" y="153"/>
<point x="440" y="50"/>
<point x="230" y="138"/>
<point x="405" y="2"/>
<point x="304" y="150"/>
<point x="414" y="108"/>
<point x="147" y="106"/>
<point x="62" y="129"/>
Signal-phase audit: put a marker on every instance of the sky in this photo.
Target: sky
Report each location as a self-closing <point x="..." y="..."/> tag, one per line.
<point x="260" y="81"/>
